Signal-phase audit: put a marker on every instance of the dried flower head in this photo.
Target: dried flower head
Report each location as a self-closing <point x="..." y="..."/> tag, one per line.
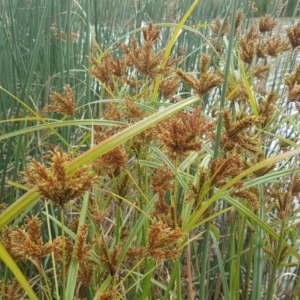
<point x="237" y="136"/>
<point x="296" y="185"/>
<point x="65" y="103"/>
<point x="250" y="197"/>
<point x="169" y="86"/>
<point x="109" y="70"/>
<point x="161" y="180"/>
<point x="12" y="290"/>
<point x="223" y="28"/>
<point x="163" y="241"/>
<point x="109" y="294"/>
<point x="237" y="91"/>
<point x="217" y="29"/>
<point x="144" y="58"/>
<point x="207" y="81"/>
<point x="112" y="162"/>
<point x="293" y="34"/>
<point x="247" y="49"/>
<point x="260" y="72"/>
<point x="150" y="33"/>
<point x="238" y="21"/>
<point x="132" y="112"/>
<point x="222" y="169"/>
<point x="275" y="45"/>
<point x="83" y="254"/>
<point x="109" y="258"/>
<point x="292" y="82"/>
<point x="267" y="108"/>
<point x="26" y="243"/>
<point x="266" y="24"/>
<point x="52" y="182"/>
<point x="180" y="134"/>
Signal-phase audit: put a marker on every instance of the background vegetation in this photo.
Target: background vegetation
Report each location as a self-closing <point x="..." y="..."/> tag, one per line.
<point x="177" y="145"/>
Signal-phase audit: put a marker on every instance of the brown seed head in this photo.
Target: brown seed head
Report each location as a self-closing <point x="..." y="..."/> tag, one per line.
<point x="293" y="34"/>
<point x="52" y="182"/>
<point x="65" y="103"/>
<point x="266" y="24"/>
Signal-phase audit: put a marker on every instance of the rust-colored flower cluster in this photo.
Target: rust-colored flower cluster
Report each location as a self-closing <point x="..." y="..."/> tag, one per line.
<point x="109" y="71"/>
<point x="221" y="28"/>
<point x="292" y="81"/>
<point x="26" y="243"/>
<point x="223" y="169"/>
<point x="138" y="63"/>
<point x="143" y="58"/>
<point x="267" y="108"/>
<point x="181" y="133"/>
<point x="255" y="45"/>
<point x="283" y="196"/>
<point x="266" y="24"/>
<point x="250" y="197"/>
<point x="293" y="34"/>
<point x="83" y="254"/>
<point x="109" y="258"/>
<point x="237" y="135"/>
<point x="54" y="184"/>
<point x="208" y="79"/>
<point x="65" y="103"/>
<point x="12" y="290"/>
<point x="112" y="162"/>
<point x="163" y="243"/>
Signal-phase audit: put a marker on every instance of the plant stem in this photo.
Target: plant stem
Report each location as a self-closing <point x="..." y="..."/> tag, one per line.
<point x="204" y="276"/>
<point x="271" y="282"/>
<point x="63" y="238"/>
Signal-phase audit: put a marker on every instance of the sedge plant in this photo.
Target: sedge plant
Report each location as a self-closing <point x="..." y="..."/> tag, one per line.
<point x="179" y="181"/>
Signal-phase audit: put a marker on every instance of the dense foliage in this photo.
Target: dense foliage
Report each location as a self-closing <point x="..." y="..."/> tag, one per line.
<point x="149" y="155"/>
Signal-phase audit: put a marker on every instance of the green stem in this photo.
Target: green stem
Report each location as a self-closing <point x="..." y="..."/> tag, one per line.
<point x="271" y="283"/>
<point x="63" y="238"/>
<point x="146" y="287"/>
<point x="52" y="254"/>
<point x="258" y="253"/>
<point x="204" y="277"/>
<point x="178" y="279"/>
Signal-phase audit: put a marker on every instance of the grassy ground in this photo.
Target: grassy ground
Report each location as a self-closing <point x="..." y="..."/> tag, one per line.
<point x="152" y="155"/>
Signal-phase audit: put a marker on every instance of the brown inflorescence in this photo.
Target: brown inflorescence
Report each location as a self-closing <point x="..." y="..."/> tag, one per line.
<point x="112" y="162"/>
<point x="65" y="103"/>
<point x="53" y="183"/>
<point x="181" y="133"/>
<point x="144" y="58"/>
<point x="267" y="108"/>
<point x="223" y="169"/>
<point x="236" y="136"/>
<point x="163" y="241"/>
<point x="293" y="34"/>
<point x="248" y="44"/>
<point x="169" y="86"/>
<point x="109" y="294"/>
<point x="292" y="82"/>
<point x="251" y="198"/>
<point x="109" y="258"/>
<point x="12" y="290"/>
<point x="83" y="254"/>
<point x="275" y="45"/>
<point x="208" y="79"/>
<point x="109" y="70"/>
<point x="266" y="24"/>
<point x="237" y="91"/>
<point x="26" y="243"/>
